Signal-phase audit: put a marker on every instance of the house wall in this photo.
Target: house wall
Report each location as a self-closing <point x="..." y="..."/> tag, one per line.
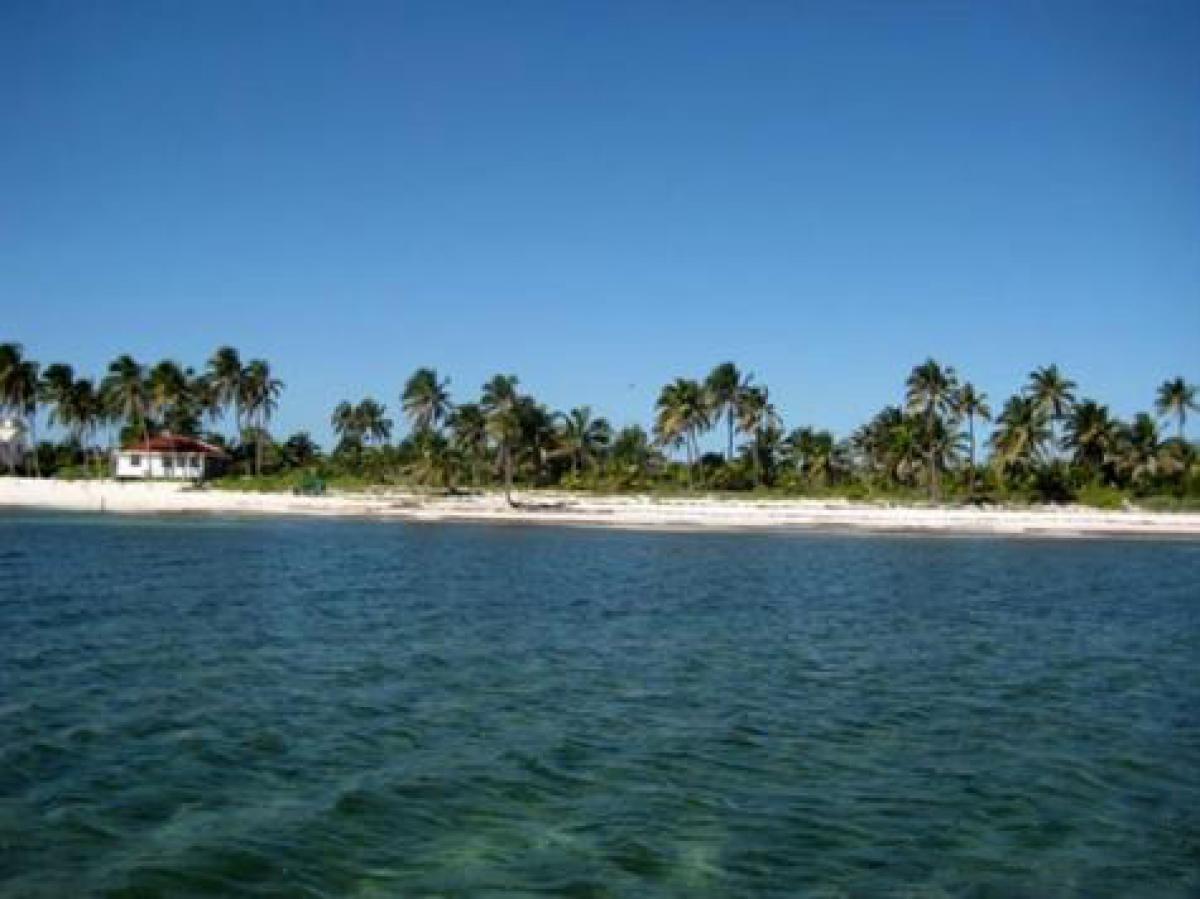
<point x="164" y="466"/>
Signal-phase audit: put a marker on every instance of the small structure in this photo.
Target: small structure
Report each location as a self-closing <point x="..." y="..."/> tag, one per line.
<point x="170" y="458"/>
<point x="13" y="443"/>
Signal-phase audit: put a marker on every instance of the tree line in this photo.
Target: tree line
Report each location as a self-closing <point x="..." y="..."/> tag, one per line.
<point x="1047" y="441"/>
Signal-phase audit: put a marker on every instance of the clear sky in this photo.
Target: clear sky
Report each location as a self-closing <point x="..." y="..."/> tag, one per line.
<point x="601" y="196"/>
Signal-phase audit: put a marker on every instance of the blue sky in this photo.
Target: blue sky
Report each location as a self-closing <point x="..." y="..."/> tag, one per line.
<point x="602" y="196"/>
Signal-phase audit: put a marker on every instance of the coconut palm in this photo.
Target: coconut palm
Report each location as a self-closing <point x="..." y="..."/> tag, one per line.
<point x="258" y="400"/>
<point x="1176" y="398"/>
<point x="426" y="399"/>
<point x="1141" y="452"/>
<point x="58" y="379"/>
<point x="1054" y="394"/>
<point x="1022" y="431"/>
<point x="19" y="390"/>
<point x="300" y="450"/>
<point x="125" y="394"/>
<point x="723" y="386"/>
<point x="756" y="415"/>
<point x="683" y="412"/>
<point x="373" y="422"/>
<point x="970" y="403"/>
<point x="501" y="405"/>
<point x="225" y="378"/>
<point x="581" y="437"/>
<point x="931" y="393"/>
<point x="633" y="452"/>
<point x="1092" y="436"/>
<point x="167" y="390"/>
<point x="468" y="427"/>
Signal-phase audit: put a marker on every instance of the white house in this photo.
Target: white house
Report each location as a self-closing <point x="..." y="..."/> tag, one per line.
<point x="167" y="457"/>
<point x="13" y="445"/>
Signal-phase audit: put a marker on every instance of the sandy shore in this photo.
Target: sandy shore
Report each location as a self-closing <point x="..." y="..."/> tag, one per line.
<point x="613" y="511"/>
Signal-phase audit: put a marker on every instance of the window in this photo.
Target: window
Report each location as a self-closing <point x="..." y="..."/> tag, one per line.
<point x="194" y="462"/>
<point x="135" y="461"/>
<point x="168" y="463"/>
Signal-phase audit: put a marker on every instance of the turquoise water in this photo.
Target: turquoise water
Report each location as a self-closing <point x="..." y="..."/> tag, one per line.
<point x="302" y="708"/>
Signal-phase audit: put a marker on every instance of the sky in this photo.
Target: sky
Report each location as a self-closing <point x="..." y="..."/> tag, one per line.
<point x="602" y="196"/>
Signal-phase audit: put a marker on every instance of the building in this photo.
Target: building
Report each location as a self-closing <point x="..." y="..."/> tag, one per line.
<point x="170" y="458"/>
<point x="13" y="445"/>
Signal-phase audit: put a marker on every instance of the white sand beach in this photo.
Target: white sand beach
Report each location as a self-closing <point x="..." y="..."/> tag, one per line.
<point x="637" y="512"/>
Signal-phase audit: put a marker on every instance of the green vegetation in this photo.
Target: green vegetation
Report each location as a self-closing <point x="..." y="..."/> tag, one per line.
<point x="1047" y="444"/>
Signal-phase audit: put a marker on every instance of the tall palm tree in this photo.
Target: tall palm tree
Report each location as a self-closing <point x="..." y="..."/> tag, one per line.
<point x="345" y="422"/>
<point x="426" y="399"/>
<point x="125" y="393"/>
<point x="501" y="405"/>
<point x="682" y="413"/>
<point x="582" y="437"/>
<point x="225" y="378"/>
<point x="633" y="451"/>
<point x="970" y="403"/>
<point x="1176" y="398"/>
<point x="723" y="385"/>
<point x="166" y="389"/>
<point x="19" y="390"/>
<point x="259" y="400"/>
<point x="1141" y="453"/>
<point x="1020" y="438"/>
<point x="1054" y="394"/>
<point x="468" y="425"/>
<point x="756" y="415"/>
<point x="931" y="392"/>
<point x="58" y="379"/>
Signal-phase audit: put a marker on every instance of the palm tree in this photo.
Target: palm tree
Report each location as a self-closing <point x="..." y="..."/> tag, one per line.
<point x="19" y="390"/>
<point x="55" y="390"/>
<point x="258" y="400"/>
<point x="1176" y="397"/>
<point x="1141" y="453"/>
<point x="633" y="451"/>
<point x="426" y="399"/>
<point x="971" y="404"/>
<point x="582" y="437"/>
<point x="345" y="423"/>
<point x="225" y="378"/>
<point x="373" y="422"/>
<point x="167" y="390"/>
<point x="125" y="394"/>
<point x="683" y="412"/>
<point x="1092" y="435"/>
<point x="932" y="390"/>
<point x="723" y="385"/>
<point x="468" y="426"/>
<point x="1023" y="428"/>
<point x="1054" y="394"/>
<point x="501" y="405"/>
<point x="756" y="415"/>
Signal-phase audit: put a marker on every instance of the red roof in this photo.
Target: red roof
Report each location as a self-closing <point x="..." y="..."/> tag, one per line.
<point x="169" y="443"/>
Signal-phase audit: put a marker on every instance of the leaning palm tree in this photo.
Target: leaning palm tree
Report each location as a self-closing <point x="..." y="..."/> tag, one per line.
<point x="970" y="403"/>
<point x="501" y="405"/>
<point x="426" y="399"/>
<point x="931" y="394"/>
<point x="1054" y="394"/>
<point x="55" y="389"/>
<point x="1176" y="398"/>
<point x="582" y="438"/>
<point x="125" y="394"/>
<point x="258" y="400"/>
<point x="724" y="384"/>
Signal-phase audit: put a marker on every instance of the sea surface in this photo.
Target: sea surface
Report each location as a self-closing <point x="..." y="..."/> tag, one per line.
<point x="292" y="708"/>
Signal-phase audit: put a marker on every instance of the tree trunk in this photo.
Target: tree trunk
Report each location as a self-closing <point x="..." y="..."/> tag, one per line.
<point x="729" y="420"/>
<point x="971" y="469"/>
<point x="508" y="475"/>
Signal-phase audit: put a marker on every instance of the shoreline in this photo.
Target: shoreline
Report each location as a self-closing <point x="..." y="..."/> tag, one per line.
<point x="699" y="514"/>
